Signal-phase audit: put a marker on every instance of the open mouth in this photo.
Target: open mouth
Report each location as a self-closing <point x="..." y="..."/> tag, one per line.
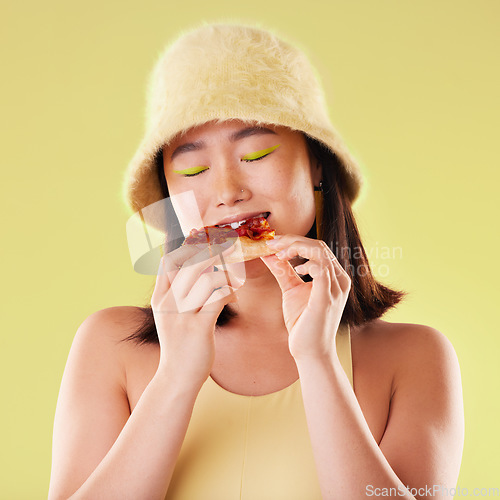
<point x="235" y="225"/>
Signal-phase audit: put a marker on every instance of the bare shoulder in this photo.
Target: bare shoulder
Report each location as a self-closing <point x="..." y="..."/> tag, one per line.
<point x="404" y="340"/>
<point x="114" y="323"/>
<point x="93" y="404"/>
<point x="409" y="375"/>
<point x="399" y="350"/>
<point x="399" y="365"/>
<point x="112" y="326"/>
<point x="104" y="333"/>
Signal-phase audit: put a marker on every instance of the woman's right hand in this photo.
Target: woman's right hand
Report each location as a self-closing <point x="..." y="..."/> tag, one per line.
<point x="188" y="297"/>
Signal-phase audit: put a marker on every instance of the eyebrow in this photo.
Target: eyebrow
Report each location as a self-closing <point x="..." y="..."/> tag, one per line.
<point x="236" y="136"/>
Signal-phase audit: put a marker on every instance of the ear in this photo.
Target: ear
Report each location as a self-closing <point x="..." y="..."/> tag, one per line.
<point x="316" y="171"/>
<point x="316" y="167"/>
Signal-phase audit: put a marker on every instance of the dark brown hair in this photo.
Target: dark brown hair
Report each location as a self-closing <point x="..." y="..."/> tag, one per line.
<point x="368" y="298"/>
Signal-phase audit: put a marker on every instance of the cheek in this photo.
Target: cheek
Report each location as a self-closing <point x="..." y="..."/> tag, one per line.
<point x="298" y="199"/>
<point x="188" y="208"/>
<point x="300" y="189"/>
<point x="303" y="204"/>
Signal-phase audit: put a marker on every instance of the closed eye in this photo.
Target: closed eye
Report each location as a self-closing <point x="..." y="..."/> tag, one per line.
<point x="191" y="171"/>
<point x="258" y="155"/>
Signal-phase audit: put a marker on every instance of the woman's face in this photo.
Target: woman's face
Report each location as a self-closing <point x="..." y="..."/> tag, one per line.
<point x="235" y="170"/>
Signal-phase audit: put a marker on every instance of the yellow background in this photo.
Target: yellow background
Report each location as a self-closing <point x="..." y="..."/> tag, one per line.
<point x="413" y="89"/>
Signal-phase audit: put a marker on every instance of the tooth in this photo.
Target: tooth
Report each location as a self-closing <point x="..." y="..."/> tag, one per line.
<point x="235" y="225"/>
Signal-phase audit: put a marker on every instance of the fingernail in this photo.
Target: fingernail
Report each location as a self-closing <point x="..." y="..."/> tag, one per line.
<point x="281" y="254"/>
<point x="274" y="242"/>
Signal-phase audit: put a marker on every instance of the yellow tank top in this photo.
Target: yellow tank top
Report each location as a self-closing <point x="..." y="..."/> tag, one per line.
<point x="250" y="447"/>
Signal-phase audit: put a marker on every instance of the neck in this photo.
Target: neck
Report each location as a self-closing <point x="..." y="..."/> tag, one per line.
<point x="258" y="302"/>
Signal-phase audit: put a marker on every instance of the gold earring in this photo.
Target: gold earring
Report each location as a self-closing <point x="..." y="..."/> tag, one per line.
<point x="318" y="201"/>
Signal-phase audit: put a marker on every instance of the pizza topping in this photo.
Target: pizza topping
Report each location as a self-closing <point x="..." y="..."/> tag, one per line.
<point x="237" y="224"/>
<point x="256" y="229"/>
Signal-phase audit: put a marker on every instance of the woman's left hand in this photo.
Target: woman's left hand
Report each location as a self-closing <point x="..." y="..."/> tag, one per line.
<point x="312" y="310"/>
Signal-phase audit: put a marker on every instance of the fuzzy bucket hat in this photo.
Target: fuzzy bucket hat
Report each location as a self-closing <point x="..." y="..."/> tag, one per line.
<point x="230" y="71"/>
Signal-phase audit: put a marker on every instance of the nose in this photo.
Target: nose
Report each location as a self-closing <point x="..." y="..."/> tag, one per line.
<point x="228" y="187"/>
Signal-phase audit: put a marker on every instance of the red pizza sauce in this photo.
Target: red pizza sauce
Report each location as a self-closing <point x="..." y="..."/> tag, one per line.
<point x="256" y="229"/>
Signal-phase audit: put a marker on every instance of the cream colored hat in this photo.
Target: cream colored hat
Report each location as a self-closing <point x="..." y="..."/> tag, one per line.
<point x="224" y="71"/>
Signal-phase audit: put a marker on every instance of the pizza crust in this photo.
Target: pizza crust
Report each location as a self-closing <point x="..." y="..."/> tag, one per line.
<point x="248" y="249"/>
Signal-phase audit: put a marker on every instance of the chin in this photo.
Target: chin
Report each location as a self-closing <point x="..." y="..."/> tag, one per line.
<point x="254" y="268"/>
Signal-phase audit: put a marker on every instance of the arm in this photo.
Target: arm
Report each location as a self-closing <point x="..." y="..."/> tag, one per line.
<point x="99" y="449"/>
<point x="422" y="444"/>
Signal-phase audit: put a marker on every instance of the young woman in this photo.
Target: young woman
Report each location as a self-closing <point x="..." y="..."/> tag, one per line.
<point x="272" y="379"/>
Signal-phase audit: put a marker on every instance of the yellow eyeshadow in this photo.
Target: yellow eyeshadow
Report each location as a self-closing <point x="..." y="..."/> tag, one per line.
<point x="251" y="156"/>
<point x="190" y="170"/>
<point x="258" y="154"/>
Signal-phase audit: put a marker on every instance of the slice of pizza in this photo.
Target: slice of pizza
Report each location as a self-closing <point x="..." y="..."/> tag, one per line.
<point x="251" y="234"/>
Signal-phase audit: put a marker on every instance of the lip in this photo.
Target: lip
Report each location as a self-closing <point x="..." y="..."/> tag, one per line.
<point x="238" y="217"/>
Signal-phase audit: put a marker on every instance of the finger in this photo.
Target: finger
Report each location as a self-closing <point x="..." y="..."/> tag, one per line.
<point x="218" y="300"/>
<point x="283" y="241"/>
<point x="238" y="268"/>
<point x="284" y="273"/>
<point x="182" y="280"/>
<point x="176" y="258"/>
<point x="190" y="254"/>
<point x="342" y="276"/>
<point x="202" y="291"/>
<point x="321" y="291"/>
<point x="311" y="267"/>
<point x="195" y="261"/>
<point x="316" y="250"/>
<point x="338" y="278"/>
<point x="186" y="277"/>
<point x="201" y="262"/>
<point x="163" y="281"/>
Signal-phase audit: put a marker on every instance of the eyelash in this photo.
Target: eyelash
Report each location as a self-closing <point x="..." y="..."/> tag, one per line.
<point x="256" y="159"/>
<point x="197" y="173"/>
<point x="248" y="161"/>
